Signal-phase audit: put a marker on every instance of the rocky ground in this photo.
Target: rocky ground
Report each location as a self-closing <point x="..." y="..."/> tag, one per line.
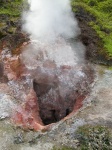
<point x="96" y="111"/>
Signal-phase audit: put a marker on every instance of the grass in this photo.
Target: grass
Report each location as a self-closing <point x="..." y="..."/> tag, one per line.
<point x="10" y="12"/>
<point x="101" y="10"/>
<point x="94" y="137"/>
<point x="11" y="8"/>
<point x="91" y="137"/>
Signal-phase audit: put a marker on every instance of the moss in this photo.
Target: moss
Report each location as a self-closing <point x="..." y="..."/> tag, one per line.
<point x="10" y="12"/>
<point x="11" y="30"/>
<point x="2" y="25"/>
<point x="102" y="12"/>
<point x="91" y="137"/>
<point x="11" y="8"/>
<point x="110" y="68"/>
<point x="2" y="34"/>
<point x="94" y="137"/>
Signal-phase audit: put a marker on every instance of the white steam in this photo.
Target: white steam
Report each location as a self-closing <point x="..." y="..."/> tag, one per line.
<point x="50" y="23"/>
<point x="48" y="19"/>
<point x="37" y="53"/>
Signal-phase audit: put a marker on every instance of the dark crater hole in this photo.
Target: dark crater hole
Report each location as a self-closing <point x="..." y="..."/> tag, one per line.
<point x="53" y="107"/>
<point x="61" y="90"/>
<point x="56" y="101"/>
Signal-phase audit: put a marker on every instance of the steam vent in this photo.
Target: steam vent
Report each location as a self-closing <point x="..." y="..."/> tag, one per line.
<point x="43" y="69"/>
<point x="61" y="91"/>
<point x="46" y="89"/>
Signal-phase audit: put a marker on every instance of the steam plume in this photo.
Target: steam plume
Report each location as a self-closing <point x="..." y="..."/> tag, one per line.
<point x="48" y="19"/>
<point x="50" y="24"/>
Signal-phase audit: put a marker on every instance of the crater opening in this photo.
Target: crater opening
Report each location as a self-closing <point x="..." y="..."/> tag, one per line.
<point x="52" y="106"/>
<point x="59" y="98"/>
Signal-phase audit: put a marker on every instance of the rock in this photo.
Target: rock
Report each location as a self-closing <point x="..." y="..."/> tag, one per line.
<point x="27" y="114"/>
<point x="6" y="105"/>
<point x="13" y="42"/>
<point x="18" y="139"/>
<point x="65" y="89"/>
<point x="47" y="92"/>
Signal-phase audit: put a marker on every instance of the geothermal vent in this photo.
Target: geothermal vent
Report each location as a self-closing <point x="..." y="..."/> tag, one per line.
<point x="60" y="79"/>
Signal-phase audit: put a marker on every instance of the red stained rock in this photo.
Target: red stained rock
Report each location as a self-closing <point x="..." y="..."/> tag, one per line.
<point x="58" y="91"/>
<point x="13" y="68"/>
<point x="27" y="114"/>
<point x="64" y="93"/>
<point x="79" y="103"/>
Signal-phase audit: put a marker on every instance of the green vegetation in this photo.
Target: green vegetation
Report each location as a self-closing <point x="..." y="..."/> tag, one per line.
<point x="94" y="137"/>
<point x="91" y="138"/>
<point x="10" y="12"/>
<point x="101" y="10"/>
<point x="10" y="7"/>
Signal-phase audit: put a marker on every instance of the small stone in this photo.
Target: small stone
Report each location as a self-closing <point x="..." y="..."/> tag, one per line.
<point x="18" y="139"/>
<point x="76" y="141"/>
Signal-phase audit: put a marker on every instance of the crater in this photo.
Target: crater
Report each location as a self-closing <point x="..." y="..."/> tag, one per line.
<point x="47" y="88"/>
<point x="65" y="92"/>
